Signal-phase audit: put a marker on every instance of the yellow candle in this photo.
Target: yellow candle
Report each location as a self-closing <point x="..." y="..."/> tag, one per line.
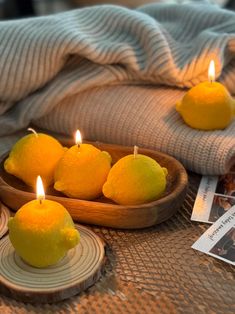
<point x="135" y="179"/>
<point x="82" y="171"/>
<point x="34" y="154"/>
<point x="208" y="105"/>
<point x="42" y="231"/>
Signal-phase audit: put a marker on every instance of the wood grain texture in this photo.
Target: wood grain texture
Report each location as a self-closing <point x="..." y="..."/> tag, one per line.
<point x="4" y="217"/>
<point x="14" y="193"/>
<point x="78" y="270"/>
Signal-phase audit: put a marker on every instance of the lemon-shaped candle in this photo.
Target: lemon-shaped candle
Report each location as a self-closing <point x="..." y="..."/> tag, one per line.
<point x="34" y="154"/>
<point x="42" y="231"/>
<point x="135" y="179"/>
<point x="82" y="171"/>
<point x="208" y="105"/>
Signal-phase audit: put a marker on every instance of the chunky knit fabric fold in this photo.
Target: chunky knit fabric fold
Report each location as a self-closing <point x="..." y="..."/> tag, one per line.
<point x="146" y="117"/>
<point x="49" y="64"/>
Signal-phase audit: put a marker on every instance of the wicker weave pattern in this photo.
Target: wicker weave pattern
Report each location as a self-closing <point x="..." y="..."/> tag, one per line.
<point x="152" y="271"/>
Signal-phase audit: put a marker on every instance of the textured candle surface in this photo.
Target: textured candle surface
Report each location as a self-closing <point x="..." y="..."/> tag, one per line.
<point x="207" y="106"/>
<point x="42" y="233"/>
<point x="33" y="155"/>
<point x="82" y="171"/>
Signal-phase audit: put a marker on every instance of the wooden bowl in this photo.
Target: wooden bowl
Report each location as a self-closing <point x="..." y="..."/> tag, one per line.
<point x="14" y="193"/>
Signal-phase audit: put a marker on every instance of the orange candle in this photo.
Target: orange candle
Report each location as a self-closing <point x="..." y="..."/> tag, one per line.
<point x="208" y="105"/>
<point x="42" y="231"/>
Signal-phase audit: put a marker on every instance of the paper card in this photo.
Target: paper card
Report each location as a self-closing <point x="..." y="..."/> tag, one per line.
<point x="216" y="195"/>
<point x="219" y="240"/>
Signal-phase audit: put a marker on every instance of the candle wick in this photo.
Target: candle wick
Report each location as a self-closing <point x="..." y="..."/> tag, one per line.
<point x="78" y="145"/>
<point x="34" y="132"/>
<point x="41" y="198"/>
<point x="135" y="151"/>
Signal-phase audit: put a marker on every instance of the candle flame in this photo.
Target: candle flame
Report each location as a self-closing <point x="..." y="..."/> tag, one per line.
<point x="40" y="190"/>
<point x="211" y="71"/>
<point x="78" y="138"/>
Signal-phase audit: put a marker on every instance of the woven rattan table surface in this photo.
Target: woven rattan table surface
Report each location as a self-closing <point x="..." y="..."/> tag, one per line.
<point x="152" y="270"/>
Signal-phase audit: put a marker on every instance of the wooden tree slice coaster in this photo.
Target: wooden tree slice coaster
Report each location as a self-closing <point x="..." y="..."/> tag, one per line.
<point x="4" y="216"/>
<point x="77" y="271"/>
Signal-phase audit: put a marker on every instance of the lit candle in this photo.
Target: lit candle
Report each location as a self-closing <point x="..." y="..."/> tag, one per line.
<point x="42" y="231"/>
<point x="82" y="171"/>
<point x="208" y="105"/>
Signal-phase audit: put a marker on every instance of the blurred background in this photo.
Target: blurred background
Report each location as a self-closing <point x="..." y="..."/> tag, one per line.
<point x="10" y="9"/>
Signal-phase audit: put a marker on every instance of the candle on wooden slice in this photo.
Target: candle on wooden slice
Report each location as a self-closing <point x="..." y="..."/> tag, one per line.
<point x="208" y="105"/>
<point x="42" y="231"/>
<point x="77" y="271"/>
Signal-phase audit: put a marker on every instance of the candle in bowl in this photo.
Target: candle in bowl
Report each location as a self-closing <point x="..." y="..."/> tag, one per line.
<point x="135" y="179"/>
<point x="34" y="154"/>
<point x="82" y="171"/>
<point x="208" y="105"/>
<point x="42" y="231"/>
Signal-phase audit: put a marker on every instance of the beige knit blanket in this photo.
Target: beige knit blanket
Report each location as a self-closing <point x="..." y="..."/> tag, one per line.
<point x="116" y="74"/>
